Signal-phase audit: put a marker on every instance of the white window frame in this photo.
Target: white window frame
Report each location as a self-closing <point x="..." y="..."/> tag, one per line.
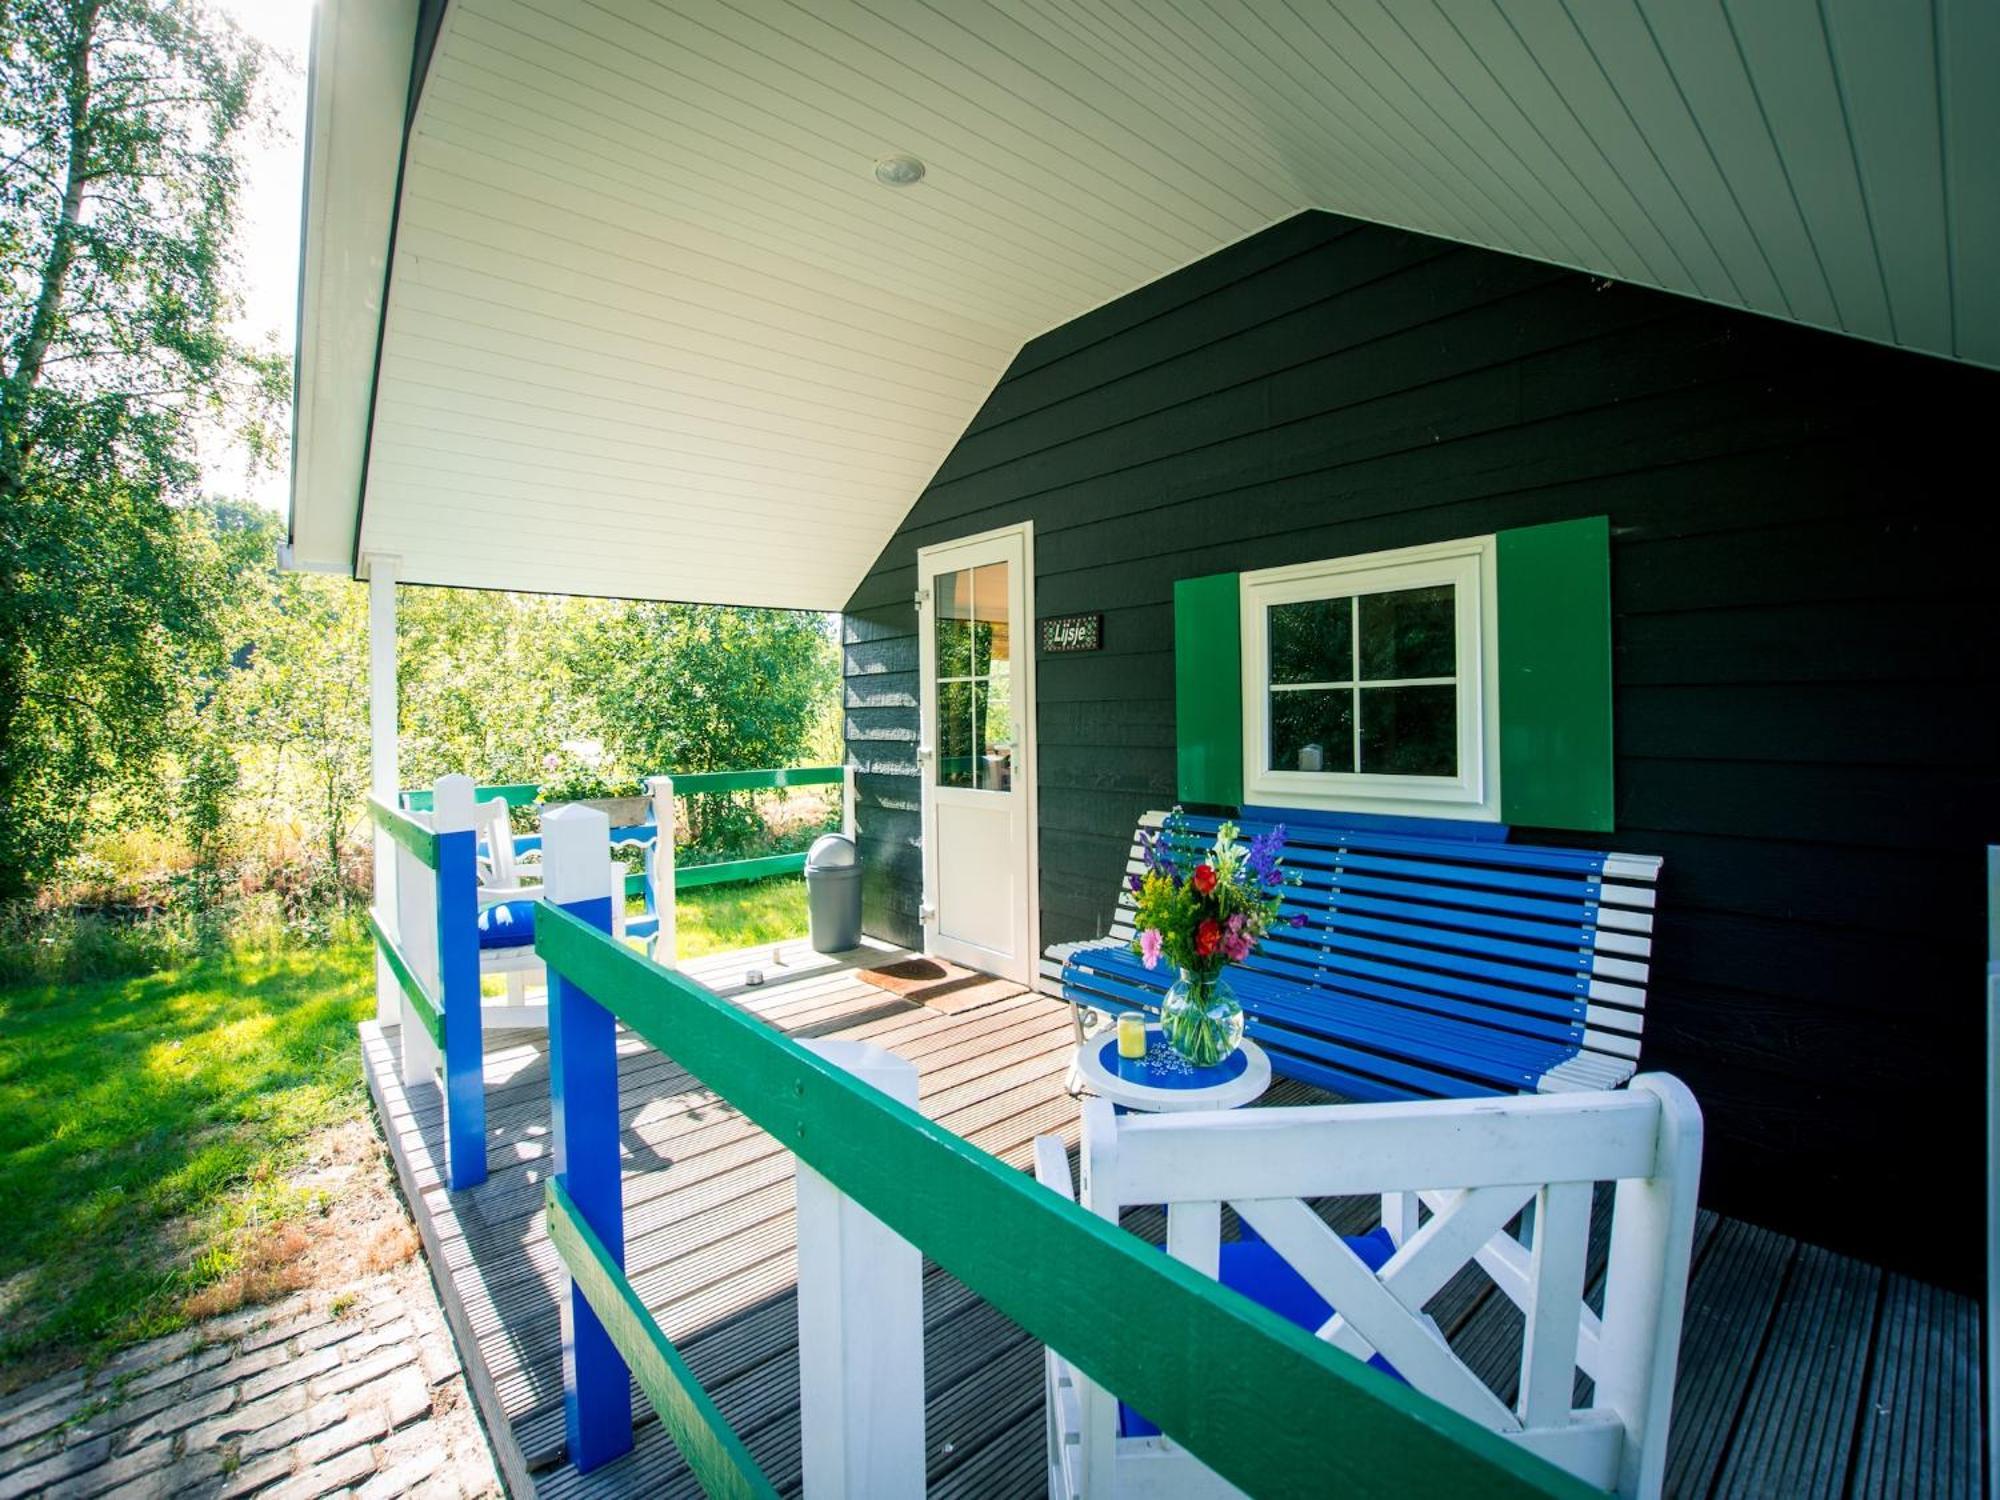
<point x="1469" y="567"/>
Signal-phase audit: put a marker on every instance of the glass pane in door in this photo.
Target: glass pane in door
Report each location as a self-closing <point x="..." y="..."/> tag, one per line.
<point x="974" y="686"/>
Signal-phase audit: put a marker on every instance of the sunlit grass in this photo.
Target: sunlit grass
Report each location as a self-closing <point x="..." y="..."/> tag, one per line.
<point x="717" y="918"/>
<point x="146" y="1123"/>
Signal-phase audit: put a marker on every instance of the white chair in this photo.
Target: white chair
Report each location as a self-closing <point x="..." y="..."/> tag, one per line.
<point x="509" y="885"/>
<point x="1451" y="1174"/>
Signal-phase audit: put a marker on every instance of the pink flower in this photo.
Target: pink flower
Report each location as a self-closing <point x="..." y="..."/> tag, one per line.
<point x="1149" y="947"/>
<point x="1235" y="947"/>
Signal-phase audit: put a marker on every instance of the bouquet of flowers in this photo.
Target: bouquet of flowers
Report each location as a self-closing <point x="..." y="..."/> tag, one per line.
<point x="1201" y="909"/>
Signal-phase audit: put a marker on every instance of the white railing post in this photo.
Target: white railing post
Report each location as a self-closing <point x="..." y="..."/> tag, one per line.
<point x="416" y="933"/>
<point x="861" y="1323"/>
<point x="661" y="790"/>
<point x="850" y="815"/>
<point x="383" y="770"/>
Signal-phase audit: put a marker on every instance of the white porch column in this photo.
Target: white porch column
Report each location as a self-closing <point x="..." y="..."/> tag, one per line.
<point x="861" y="1323"/>
<point x="383" y="771"/>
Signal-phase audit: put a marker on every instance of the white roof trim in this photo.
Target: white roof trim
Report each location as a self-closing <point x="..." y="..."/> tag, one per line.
<point x="358" y="86"/>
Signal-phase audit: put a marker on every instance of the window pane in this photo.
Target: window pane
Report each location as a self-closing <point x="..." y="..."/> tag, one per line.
<point x="961" y="707"/>
<point x="1408" y="633"/>
<point x="1313" y="730"/>
<point x="992" y="639"/>
<point x="1313" y="641"/>
<point x="954" y="623"/>
<point x="1409" y="731"/>
<point x="995" y="737"/>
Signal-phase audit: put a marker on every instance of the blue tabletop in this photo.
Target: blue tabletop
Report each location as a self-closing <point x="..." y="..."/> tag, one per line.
<point x="1164" y="1068"/>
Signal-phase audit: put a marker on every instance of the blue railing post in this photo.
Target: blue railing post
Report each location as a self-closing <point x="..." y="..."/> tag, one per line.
<point x="579" y="875"/>
<point x="458" y="981"/>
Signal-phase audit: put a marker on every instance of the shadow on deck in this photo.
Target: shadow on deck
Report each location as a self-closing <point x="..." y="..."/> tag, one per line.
<point x="1803" y="1373"/>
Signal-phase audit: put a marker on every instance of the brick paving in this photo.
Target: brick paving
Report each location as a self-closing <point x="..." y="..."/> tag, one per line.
<point x="354" y="1392"/>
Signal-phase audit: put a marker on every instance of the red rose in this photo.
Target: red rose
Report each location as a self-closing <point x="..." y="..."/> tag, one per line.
<point x="1204" y="878"/>
<point x="1208" y="936"/>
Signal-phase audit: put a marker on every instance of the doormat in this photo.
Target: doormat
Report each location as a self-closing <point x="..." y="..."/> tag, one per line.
<point x="929" y="981"/>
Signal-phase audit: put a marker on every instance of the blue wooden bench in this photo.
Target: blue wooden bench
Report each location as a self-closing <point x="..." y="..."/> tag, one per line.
<point x="1428" y="966"/>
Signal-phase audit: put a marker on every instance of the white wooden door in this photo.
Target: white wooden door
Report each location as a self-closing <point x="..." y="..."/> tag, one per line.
<point x="976" y="755"/>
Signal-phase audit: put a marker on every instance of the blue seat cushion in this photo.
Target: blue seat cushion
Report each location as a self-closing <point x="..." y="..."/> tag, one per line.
<point x="1252" y="1267"/>
<point x="511" y="924"/>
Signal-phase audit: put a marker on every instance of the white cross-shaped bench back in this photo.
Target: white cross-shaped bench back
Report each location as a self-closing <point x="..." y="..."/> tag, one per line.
<point x="1473" y="1165"/>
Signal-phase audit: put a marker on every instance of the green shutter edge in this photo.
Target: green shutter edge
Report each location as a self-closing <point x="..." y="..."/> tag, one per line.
<point x="1555" y="675"/>
<point x="1208" y="689"/>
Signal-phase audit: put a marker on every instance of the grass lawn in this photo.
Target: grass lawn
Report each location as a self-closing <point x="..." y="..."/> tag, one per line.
<point x="147" y="1125"/>
<point x="150" y="1123"/>
<point x="716" y="918"/>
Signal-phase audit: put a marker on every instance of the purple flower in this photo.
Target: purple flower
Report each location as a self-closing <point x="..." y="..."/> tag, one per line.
<point x="1298" y="919"/>
<point x="1149" y="947"/>
<point x="1136" y="882"/>
<point x="1265" y="851"/>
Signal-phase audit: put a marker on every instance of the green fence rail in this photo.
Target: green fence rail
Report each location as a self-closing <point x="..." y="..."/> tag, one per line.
<point x="513" y="793"/>
<point x="406" y="830"/>
<point x="422" y="1002"/>
<point x="706" y="1440"/>
<point x="1259" y="1400"/>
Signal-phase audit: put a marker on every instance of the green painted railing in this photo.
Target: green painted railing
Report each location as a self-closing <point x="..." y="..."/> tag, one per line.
<point x="694" y="783"/>
<point x="406" y="830"/>
<point x="755" y="781"/>
<point x="422" y="1001"/>
<point x="513" y="793"/>
<point x="712" y="1449"/>
<point x="1262" y="1402"/>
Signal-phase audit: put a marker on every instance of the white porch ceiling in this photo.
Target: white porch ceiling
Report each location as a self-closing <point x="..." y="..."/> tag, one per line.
<point x="655" y="330"/>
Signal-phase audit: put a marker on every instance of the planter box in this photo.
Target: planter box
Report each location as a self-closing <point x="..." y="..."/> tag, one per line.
<point x="624" y="812"/>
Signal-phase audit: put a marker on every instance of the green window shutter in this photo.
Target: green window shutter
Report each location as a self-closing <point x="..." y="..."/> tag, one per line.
<point x="1555" y="675"/>
<point x="1208" y="689"/>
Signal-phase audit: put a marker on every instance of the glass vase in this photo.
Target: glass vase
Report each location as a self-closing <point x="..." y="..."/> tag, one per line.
<point x="1201" y="1019"/>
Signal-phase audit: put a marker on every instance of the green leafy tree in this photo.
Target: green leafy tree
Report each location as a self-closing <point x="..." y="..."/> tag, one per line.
<point x="299" y="702"/>
<point x="119" y="127"/>
<point x="484" y="690"/>
<point x="697" y="687"/>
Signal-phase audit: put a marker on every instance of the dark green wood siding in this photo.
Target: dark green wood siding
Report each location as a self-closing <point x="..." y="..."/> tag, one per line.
<point x="1800" y="593"/>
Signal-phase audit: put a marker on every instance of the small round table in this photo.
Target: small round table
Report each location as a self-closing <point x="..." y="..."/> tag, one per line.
<point x="1162" y="1081"/>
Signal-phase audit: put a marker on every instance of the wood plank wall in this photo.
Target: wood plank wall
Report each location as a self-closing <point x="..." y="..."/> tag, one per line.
<point x="1804" y="605"/>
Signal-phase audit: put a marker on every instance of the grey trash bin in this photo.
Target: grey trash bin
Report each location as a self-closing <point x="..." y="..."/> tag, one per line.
<point x="833" y="893"/>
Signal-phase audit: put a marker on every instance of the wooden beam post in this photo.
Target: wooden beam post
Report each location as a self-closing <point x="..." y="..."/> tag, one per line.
<point x="861" y="1323"/>
<point x="1993" y="1153"/>
<point x="458" y="981"/>
<point x="578" y="874"/>
<point x="383" y="769"/>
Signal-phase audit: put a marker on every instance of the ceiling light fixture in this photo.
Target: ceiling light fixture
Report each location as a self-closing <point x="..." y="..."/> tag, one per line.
<point x="899" y="171"/>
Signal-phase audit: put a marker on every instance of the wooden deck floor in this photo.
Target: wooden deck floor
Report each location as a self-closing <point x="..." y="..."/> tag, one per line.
<point x="1802" y="1373"/>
